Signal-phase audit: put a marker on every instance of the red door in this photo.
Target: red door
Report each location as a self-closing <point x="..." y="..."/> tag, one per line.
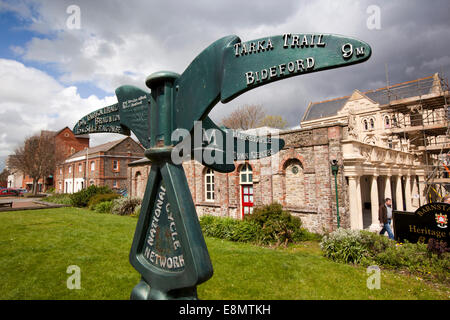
<point x="247" y="199"/>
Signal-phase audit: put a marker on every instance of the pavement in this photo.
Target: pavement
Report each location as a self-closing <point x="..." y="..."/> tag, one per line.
<point x="20" y="203"/>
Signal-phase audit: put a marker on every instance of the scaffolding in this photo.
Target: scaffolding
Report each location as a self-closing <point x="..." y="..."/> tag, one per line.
<point x="419" y="124"/>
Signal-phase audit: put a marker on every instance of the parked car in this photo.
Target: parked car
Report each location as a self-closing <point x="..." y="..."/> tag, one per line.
<point x="22" y="191"/>
<point x="9" y="192"/>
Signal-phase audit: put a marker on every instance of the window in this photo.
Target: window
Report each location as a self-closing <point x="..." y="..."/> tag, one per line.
<point x="372" y="124"/>
<point x="387" y="122"/>
<point x="60" y="170"/>
<point x="366" y="125"/>
<point x="92" y="165"/>
<point x="60" y="185"/>
<point x="91" y="182"/>
<point x="70" y="169"/>
<point x="116" y="165"/>
<point x="246" y="174"/>
<point x="115" y="184"/>
<point x="209" y="185"/>
<point x="80" y="168"/>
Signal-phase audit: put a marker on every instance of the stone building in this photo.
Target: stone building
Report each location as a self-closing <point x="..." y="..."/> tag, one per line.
<point x="103" y="165"/>
<point x="362" y="132"/>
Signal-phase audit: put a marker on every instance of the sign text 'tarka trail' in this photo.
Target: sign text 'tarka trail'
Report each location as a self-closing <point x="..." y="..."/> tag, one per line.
<point x="168" y="247"/>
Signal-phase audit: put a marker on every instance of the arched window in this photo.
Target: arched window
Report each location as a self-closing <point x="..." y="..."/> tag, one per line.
<point x="139" y="186"/>
<point x="387" y="122"/>
<point x="366" y="125"/>
<point x="372" y="124"/>
<point x="246" y="174"/>
<point x="209" y="185"/>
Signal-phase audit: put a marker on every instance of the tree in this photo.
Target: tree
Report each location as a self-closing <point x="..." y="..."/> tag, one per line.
<point x="273" y="122"/>
<point x="36" y="157"/>
<point x="4" y="177"/>
<point x="245" y="117"/>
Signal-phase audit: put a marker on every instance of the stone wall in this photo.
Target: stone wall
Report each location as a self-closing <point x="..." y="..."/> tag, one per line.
<point x="308" y="191"/>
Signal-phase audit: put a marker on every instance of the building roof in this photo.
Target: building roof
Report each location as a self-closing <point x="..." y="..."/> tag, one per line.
<point x="100" y="148"/>
<point x="382" y="96"/>
<point x="82" y="136"/>
<point x="140" y="162"/>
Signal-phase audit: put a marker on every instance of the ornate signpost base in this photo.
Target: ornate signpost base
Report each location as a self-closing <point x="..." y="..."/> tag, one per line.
<point x="168" y="248"/>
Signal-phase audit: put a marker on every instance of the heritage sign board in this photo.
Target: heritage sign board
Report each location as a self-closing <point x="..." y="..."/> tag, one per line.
<point x="427" y="222"/>
<point x="168" y="247"/>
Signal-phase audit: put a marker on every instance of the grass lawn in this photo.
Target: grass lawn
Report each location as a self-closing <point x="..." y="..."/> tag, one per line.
<point x="36" y="247"/>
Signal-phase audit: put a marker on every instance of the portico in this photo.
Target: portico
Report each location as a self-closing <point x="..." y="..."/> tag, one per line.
<point x="374" y="173"/>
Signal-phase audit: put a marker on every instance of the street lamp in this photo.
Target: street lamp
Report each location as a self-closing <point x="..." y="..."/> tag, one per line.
<point x="334" y="171"/>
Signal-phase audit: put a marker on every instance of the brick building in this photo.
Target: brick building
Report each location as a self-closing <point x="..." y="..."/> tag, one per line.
<point x="66" y="144"/>
<point x="377" y="158"/>
<point x="103" y="165"/>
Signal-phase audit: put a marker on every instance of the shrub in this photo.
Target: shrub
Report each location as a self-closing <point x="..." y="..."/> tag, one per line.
<point x="137" y="211"/>
<point x="344" y="245"/>
<point x="437" y="247"/>
<point x="125" y="206"/>
<point x="277" y="225"/>
<point x="230" y="229"/>
<point x="62" y="198"/>
<point x="82" y="197"/>
<point x="51" y="190"/>
<point x="98" y="198"/>
<point x="104" y="207"/>
<point x="367" y="248"/>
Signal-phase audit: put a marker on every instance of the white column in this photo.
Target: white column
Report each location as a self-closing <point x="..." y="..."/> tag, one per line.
<point x="359" y="217"/>
<point x="398" y="194"/>
<point x="415" y="192"/>
<point x="408" y="196"/>
<point x="353" y="199"/>
<point x="422" y="188"/>
<point x="374" y="203"/>
<point x="387" y="188"/>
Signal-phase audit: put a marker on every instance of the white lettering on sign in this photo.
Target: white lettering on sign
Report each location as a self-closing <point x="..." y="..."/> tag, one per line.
<point x="134" y="102"/>
<point x="166" y="261"/>
<point x="156" y="215"/>
<point x="283" y="69"/>
<point x="302" y="41"/>
<point x="289" y="41"/>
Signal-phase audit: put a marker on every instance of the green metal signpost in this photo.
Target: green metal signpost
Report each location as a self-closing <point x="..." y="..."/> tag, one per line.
<point x="168" y="248"/>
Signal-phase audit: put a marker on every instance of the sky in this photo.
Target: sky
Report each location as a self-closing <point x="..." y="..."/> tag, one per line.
<point x="57" y="65"/>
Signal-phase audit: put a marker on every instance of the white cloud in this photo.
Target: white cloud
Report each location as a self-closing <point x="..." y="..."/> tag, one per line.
<point x="122" y="42"/>
<point x="33" y="101"/>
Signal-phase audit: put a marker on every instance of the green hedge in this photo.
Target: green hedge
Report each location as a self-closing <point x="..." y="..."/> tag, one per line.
<point x="62" y="198"/>
<point x="267" y="225"/>
<point x="82" y="197"/>
<point x="368" y="248"/>
<point x="104" y="207"/>
<point x="277" y="225"/>
<point x="230" y="229"/>
<point x="98" y="198"/>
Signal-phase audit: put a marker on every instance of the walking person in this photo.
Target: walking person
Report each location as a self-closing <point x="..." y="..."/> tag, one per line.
<point x="385" y="217"/>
